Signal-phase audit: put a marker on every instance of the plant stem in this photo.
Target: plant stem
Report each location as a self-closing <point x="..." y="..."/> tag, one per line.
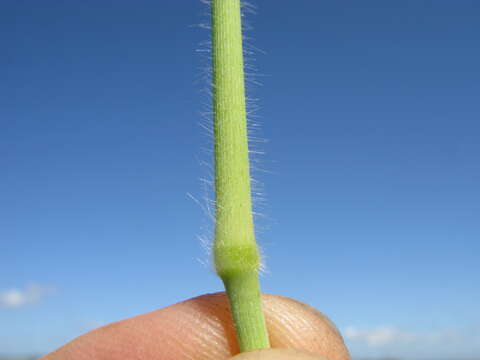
<point x="237" y="259"/>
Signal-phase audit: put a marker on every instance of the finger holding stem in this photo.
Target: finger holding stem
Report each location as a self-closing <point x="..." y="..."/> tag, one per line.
<point x="236" y="254"/>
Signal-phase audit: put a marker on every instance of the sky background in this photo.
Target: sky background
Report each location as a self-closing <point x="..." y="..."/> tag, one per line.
<point x="370" y="112"/>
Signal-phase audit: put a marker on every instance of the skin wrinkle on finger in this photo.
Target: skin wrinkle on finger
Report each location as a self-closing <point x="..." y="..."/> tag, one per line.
<point x="291" y="327"/>
<point x="214" y="323"/>
<point x="201" y="328"/>
<point x="172" y="340"/>
<point x="198" y="345"/>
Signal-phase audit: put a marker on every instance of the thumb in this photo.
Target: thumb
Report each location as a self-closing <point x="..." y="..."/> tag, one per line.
<point x="277" y="354"/>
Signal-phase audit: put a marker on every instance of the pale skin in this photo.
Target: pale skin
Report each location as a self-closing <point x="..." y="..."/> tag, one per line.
<point x="202" y="329"/>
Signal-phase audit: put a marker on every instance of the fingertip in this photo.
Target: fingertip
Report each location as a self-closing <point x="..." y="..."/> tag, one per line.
<point x="277" y="354"/>
<point x="201" y="329"/>
<point x="296" y="325"/>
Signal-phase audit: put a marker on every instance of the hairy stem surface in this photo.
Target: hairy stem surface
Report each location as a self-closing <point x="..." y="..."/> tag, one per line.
<point x="237" y="258"/>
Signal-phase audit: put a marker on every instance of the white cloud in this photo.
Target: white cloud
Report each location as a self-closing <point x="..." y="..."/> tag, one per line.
<point x="379" y="336"/>
<point x="16" y="298"/>
<point x="390" y="340"/>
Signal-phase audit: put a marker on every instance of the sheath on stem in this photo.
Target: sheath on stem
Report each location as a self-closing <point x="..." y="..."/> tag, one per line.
<point x="237" y="258"/>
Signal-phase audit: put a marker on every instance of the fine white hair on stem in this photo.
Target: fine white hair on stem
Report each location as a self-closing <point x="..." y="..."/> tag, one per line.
<point x="206" y="201"/>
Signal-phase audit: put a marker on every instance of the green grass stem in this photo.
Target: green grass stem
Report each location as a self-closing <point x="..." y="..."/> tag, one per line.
<point x="237" y="259"/>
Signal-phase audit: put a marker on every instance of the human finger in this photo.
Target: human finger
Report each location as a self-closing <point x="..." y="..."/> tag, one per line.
<point x="201" y="328"/>
<point x="277" y="354"/>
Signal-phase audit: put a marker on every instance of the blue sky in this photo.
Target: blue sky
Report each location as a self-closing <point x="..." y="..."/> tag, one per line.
<point x="370" y="110"/>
